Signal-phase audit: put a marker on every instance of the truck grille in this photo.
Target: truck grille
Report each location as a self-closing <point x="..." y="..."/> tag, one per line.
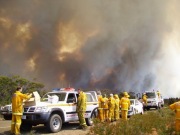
<point x="29" y="109"/>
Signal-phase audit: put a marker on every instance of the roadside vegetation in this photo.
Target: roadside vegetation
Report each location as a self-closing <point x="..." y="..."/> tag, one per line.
<point x="8" y="86"/>
<point x="160" y="122"/>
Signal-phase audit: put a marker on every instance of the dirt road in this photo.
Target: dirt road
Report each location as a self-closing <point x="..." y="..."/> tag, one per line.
<point x="67" y="129"/>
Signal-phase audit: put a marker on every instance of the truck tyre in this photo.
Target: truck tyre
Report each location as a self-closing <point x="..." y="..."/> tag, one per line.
<point x="55" y="123"/>
<point x="89" y="121"/>
<point x="25" y="127"/>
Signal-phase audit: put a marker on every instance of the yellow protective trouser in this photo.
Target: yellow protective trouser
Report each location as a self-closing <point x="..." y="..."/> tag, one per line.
<point x="111" y="114"/>
<point x="81" y="117"/>
<point x="116" y="114"/>
<point x="101" y="114"/>
<point x="177" y="126"/>
<point x="124" y="114"/>
<point x="15" y="124"/>
<point x="106" y="114"/>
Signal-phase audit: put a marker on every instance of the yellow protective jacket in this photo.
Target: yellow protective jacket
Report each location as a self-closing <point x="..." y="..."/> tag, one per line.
<point x="100" y="101"/>
<point x="117" y="103"/>
<point x="105" y="104"/>
<point x="158" y="93"/>
<point x="111" y="103"/>
<point x="144" y="98"/>
<point x="125" y="103"/>
<point x="176" y="107"/>
<point x="17" y="102"/>
<point x="81" y="103"/>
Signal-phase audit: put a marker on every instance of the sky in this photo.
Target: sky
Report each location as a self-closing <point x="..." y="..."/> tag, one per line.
<point x="123" y="45"/>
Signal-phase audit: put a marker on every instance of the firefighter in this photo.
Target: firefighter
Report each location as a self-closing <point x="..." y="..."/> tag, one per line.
<point x="111" y="108"/>
<point x="100" y="107"/>
<point x="176" y="108"/>
<point x="158" y="93"/>
<point x="17" y="110"/>
<point x="81" y="109"/>
<point x="116" y="109"/>
<point x="124" y="104"/>
<point x="144" y="99"/>
<point x="105" y="108"/>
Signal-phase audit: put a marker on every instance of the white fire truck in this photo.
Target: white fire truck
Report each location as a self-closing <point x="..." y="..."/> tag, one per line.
<point x="57" y="108"/>
<point x="153" y="100"/>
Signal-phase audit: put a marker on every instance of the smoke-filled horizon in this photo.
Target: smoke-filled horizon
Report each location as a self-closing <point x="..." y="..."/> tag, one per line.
<point x="120" y="45"/>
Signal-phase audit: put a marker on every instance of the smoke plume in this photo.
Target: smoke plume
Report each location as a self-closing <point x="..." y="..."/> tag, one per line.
<point x="121" y="45"/>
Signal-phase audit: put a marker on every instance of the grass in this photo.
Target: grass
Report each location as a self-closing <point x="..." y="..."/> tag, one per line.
<point x="162" y="121"/>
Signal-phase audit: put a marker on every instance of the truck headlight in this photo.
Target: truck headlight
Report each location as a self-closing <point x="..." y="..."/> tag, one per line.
<point x="41" y="109"/>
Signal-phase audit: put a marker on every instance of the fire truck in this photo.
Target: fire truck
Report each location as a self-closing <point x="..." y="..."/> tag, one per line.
<point x="153" y="100"/>
<point x="56" y="108"/>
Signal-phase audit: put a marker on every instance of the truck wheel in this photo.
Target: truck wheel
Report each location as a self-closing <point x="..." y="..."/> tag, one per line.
<point x="55" y="123"/>
<point x="89" y="121"/>
<point x="25" y="127"/>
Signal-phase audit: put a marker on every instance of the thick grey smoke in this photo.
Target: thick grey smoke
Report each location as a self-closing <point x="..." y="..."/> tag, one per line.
<point x="119" y="45"/>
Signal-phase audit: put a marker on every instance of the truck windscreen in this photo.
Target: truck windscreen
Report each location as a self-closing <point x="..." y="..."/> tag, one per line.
<point x="150" y="95"/>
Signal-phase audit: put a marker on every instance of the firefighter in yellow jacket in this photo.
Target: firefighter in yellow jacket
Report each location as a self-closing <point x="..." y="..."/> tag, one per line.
<point x="81" y="109"/>
<point x="17" y="110"/>
<point x="144" y="99"/>
<point x="105" y="108"/>
<point x="100" y="107"/>
<point x="125" y="104"/>
<point x="111" y="108"/>
<point x="116" y="108"/>
<point x="176" y="108"/>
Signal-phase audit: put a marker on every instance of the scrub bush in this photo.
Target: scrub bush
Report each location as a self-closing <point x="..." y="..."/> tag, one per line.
<point x="160" y="120"/>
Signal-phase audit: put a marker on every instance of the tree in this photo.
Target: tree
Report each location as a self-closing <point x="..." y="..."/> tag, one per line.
<point x="8" y="86"/>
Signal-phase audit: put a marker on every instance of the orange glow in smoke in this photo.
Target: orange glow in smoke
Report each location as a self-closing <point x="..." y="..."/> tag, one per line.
<point x="31" y="64"/>
<point x="23" y="34"/>
<point x="71" y="40"/>
<point x="5" y="22"/>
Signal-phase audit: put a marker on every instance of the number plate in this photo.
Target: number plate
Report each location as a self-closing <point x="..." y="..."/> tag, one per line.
<point x="24" y="117"/>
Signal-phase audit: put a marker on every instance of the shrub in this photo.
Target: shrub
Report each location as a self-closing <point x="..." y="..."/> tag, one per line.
<point x="162" y="121"/>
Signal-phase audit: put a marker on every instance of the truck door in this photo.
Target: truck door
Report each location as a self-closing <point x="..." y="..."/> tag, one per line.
<point x="71" y="111"/>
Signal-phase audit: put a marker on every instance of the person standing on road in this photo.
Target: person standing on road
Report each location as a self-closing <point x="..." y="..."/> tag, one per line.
<point x="125" y="104"/>
<point x="81" y="109"/>
<point x="176" y="108"/>
<point x="145" y="99"/>
<point x="116" y="109"/>
<point x="17" y="110"/>
<point x="158" y="93"/>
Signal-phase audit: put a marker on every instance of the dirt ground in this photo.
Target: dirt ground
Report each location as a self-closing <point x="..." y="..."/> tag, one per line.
<point x="67" y="129"/>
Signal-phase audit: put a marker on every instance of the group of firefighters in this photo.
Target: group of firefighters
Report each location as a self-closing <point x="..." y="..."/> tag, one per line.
<point x="108" y="109"/>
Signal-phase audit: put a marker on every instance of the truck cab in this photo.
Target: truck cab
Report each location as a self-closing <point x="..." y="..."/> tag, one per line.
<point x="153" y="100"/>
<point x="57" y="108"/>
